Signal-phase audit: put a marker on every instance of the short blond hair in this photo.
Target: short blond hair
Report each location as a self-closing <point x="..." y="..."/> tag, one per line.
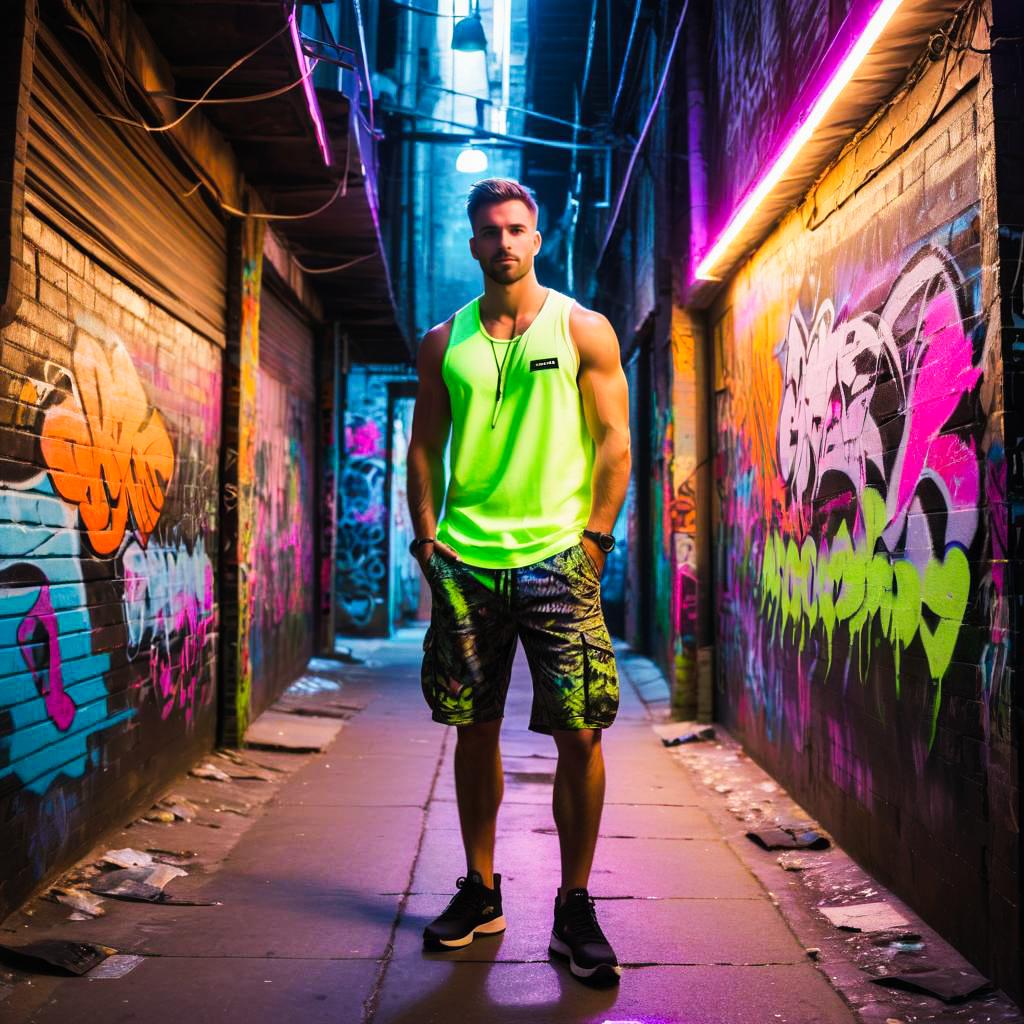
<point x="491" y="191"/>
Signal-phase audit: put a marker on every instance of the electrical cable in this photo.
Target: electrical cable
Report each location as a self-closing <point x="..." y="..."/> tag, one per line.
<point x="330" y="270"/>
<point x="202" y="99"/>
<point x="509" y="106"/>
<point x="254" y="98"/>
<point x="421" y="10"/>
<point x="483" y="135"/>
<point x="643" y="133"/>
<point x="282" y="216"/>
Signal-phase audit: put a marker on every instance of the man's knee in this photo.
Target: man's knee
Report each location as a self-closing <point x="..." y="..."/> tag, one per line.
<point x="578" y="744"/>
<point x="481" y="736"/>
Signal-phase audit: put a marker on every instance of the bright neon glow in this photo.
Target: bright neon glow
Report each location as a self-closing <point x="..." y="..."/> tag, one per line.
<point x="471" y="161"/>
<point x="307" y="88"/>
<point x="799" y="138"/>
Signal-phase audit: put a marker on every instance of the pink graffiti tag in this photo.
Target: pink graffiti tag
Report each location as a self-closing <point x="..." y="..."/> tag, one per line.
<point x="37" y="638"/>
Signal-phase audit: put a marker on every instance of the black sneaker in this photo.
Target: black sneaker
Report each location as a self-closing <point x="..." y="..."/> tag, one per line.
<point x="578" y="936"/>
<point x="474" y="910"/>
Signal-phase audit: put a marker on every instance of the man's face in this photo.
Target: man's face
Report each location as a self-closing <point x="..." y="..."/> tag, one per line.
<point x="505" y="240"/>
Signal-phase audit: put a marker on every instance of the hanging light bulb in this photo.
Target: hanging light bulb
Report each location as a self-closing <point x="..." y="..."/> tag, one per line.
<point x="471" y="160"/>
<point x="468" y="34"/>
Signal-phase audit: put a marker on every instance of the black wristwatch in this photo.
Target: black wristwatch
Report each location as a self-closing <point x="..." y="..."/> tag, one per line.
<point x="605" y="541"/>
<point x="418" y="543"/>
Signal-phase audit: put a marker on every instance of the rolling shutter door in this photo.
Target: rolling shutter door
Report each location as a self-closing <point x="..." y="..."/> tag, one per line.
<point x="116" y="192"/>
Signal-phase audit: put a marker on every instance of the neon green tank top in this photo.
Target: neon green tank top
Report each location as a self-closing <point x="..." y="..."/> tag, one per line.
<point x="521" y="462"/>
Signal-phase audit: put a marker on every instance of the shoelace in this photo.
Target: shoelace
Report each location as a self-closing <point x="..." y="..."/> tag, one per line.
<point x="581" y="920"/>
<point x="468" y="894"/>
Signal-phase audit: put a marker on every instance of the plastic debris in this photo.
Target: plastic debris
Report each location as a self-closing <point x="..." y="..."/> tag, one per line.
<point x="791" y="862"/>
<point x="79" y="900"/>
<point x="144" y="884"/>
<point x="115" y="966"/>
<point x="697" y="736"/>
<point x="209" y="771"/>
<point x="157" y="814"/>
<point x="865" y="917"/>
<point x="177" y="857"/>
<point x="127" y="858"/>
<point x="181" y="807"/>
<point x="900" y="942"/>
<point x="813" y="952"/>
<point x="950" y="984"/>
<point x="69" y="957"/>
<point x="783" y="838"/>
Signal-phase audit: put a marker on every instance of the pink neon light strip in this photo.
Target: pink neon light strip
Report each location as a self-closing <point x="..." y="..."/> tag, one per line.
<point x="844" y="72"/>
<point x="307" y="88"/>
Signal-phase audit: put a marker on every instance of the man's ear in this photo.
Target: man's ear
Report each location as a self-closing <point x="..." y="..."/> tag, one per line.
<point x="536" y="242"/>
<point x="472" y="246"/>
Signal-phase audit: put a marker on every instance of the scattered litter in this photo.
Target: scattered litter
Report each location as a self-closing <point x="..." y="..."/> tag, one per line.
<point x="78" y="899"/>
<point x="767" y="787"/>
<point x="865" y="917"/>
<point x="949" y="984"/>
<point x="723" y="789"/>
<point x="115" y="966"/>
<point x="791" y="862"/>
<point x="181" y="807"/>
<point x="159" y="815"/>
<point x="127" y="858"/>
<point x="177" y="857"/>
<point x="77" y="916"/>
<point x="783" y="838"/>
<point x="698" y="736"/>
<point x="242" y="812"/>
<point x="813" y="952"/>
<point x="144" y="884"/>
<point x="209" y="771"/>
<point x="70" y="957"/>
<point x="900" y="942"/>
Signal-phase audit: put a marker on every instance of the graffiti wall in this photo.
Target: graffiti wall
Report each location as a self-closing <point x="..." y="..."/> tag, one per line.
<point x="861" y="515"/>
<point x="109" y="434"/>
<point x="281" y="557"/>
<point x="364" y="511"/>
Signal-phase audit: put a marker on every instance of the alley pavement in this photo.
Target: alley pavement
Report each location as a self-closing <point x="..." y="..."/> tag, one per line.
<point x="319" y="907"/>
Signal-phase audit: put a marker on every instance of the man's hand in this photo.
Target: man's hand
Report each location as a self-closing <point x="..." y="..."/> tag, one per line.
<point x="424" y="551"/>
<point x="596" y="556"/>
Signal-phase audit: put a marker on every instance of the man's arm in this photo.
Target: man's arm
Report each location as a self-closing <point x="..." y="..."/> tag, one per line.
<point x="606" y="408"/>
<point x="431" y="425"/>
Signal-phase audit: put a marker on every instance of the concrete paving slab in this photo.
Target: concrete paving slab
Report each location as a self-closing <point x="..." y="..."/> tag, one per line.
<point x="471" y="993"/>
<point x="685" y="932"/>
<point x="168" y="990"/>
<point x="645" y="821"/>
<point x="355" y="779"/>
<point x="529" y="863"/>
<point x="282" y="730"/>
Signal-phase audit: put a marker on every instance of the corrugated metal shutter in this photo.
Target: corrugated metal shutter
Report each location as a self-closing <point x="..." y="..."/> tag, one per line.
<point x="286" y="344"/>
<point x="116" y="191"/>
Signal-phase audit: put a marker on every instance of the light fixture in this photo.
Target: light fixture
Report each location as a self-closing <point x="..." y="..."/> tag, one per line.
<point x="471" y="160"/>
<point x="844" y="72"/>
<point x="307" y="87"/>
<point x="468" y="34"/>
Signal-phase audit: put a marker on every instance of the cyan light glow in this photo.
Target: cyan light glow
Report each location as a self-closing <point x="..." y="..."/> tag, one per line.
<point x="471" y="161"/>
<point x="844" y="72"/>
<point x="307" y="88"/>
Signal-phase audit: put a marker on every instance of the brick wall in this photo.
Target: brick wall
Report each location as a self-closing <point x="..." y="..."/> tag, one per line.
<point x="861" y="585"/>
<point x="109" y="444"/>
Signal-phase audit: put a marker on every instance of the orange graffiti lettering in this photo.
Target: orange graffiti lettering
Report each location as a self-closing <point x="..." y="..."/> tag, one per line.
<point x="108" y="450"/>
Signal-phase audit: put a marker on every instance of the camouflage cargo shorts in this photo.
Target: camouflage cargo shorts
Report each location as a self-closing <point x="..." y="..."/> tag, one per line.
<point x="554" y="608"/>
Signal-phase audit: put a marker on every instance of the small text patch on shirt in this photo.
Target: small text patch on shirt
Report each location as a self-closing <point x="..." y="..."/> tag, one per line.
<point x="543" y="364"/>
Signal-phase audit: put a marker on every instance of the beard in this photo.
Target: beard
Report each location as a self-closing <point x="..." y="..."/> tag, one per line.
<point x="506" y="273"/>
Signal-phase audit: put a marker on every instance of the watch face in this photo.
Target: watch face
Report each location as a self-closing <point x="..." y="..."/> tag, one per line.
<point x="606" y="543"/>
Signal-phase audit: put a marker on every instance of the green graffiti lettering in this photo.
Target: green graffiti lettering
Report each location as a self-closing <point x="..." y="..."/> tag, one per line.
<point x="849" y="581"/>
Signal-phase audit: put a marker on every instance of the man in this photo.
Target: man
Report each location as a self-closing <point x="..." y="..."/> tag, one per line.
<point x="530" y="387"/>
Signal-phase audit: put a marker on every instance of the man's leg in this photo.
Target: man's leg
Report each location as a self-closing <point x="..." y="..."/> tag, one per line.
<point x="479" y="786"/>
<point x="577" y="803"/>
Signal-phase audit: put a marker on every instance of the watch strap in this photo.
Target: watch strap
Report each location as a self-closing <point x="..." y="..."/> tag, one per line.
<point x="418" y="543"/>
